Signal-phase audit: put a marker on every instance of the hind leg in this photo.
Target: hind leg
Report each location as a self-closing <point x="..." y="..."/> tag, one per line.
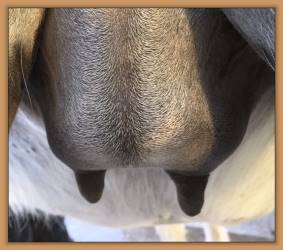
<point x="37" y="228"/>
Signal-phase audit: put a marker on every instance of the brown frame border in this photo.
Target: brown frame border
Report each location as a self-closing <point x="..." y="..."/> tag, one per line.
<point x="128" y="3"/>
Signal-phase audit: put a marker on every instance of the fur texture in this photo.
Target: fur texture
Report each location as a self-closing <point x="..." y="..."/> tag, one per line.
<point x="149" y="90"/>
<point x="145" y="196"/>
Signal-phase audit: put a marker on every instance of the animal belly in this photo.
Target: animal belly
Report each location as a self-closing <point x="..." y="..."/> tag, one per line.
<point x="241" y="188"/>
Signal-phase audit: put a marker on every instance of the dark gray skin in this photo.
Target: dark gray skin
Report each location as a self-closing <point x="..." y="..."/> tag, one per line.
<point x="168" y="88"/>
<point x="257" y="27"/>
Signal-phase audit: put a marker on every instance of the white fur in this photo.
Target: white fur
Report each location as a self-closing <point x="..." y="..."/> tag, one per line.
<point x="243" y="187"/>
